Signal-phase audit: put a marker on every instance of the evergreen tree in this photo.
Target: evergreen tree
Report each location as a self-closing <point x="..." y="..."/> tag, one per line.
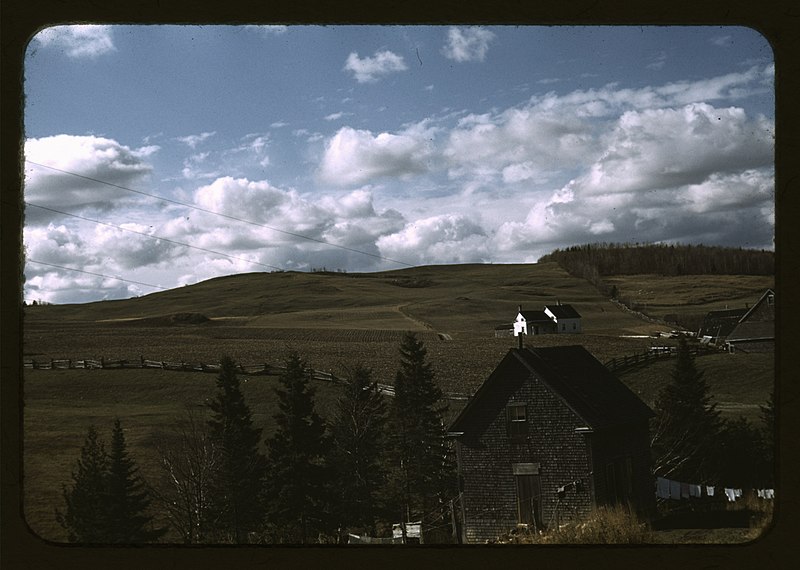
<point x="358" y="441"/>
<point x="239" y="483"/>
<point x="686" y="424"/>
<point x="128" y="497"/>
<point x="296" y="476"/>
<point x="85" y="518"/>
<point x="422" y="473"/>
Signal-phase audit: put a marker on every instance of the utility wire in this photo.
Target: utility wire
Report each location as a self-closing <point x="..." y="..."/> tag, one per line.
<point x="154" y="236"/>
<point x="98" y="274"/>
<point x="234" y="218"/>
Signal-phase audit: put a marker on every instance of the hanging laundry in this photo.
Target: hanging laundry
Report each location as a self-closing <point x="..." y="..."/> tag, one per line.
<point x="695" y="491"/>
<point x="769" y="493"/>
<point x="710" y="490"/>
<point x="737" y="492"/>
<point x="731" y="494"/>
<point x="760" y="494"/>
<point x="675" y="490"/>
<point x="662" y="488"/>
<point x="684" y="490"/>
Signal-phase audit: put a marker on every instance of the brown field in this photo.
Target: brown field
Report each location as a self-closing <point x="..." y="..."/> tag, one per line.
<point x="333" y="321"/>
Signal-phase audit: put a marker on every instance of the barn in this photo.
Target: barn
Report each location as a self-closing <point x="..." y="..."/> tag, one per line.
<point x="755" y="330"/>
<point x="550" y="435"/>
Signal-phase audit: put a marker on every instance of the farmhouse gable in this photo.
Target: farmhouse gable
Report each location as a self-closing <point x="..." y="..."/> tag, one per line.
<point x="755" y="330"/>
<point x="549" y="435"/>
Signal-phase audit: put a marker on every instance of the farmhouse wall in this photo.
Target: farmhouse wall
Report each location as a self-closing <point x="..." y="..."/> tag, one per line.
<point x="486" y="456"/>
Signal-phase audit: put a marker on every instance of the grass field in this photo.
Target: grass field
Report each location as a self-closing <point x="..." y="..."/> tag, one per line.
<point x="333" y="321"/>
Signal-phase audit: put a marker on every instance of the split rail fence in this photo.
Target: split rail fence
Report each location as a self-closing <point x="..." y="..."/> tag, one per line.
<point x="247" y="370"/>
<point x="655" y="353"/>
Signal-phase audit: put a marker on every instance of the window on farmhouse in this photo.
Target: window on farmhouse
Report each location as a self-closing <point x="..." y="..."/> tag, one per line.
<point x="517" y="421"/>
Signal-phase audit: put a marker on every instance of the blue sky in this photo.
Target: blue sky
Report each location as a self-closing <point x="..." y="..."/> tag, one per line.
<point x="160" y="156"/>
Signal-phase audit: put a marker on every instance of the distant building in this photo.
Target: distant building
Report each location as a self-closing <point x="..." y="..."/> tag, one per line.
<point x="550" y="435"/>
<point x="552" y="320"/>
<point x="755" y="330"/>
<point x="565" y="317"/>
<point x="717" y="325"/>
<point x="745" y="329"/>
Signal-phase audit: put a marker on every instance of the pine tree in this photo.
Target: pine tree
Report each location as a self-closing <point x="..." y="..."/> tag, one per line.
<point x="686" y="424"/>
<point x="296" y="476"/>
<point x="238" y="486"/>
<point x="358" y="441"/>
<point x="85" y="518"/>
<point x="421" y="470"/>
<point x="128" y="497"/>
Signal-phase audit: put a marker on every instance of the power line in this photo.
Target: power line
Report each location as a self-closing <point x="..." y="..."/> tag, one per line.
<point x="99" y="274"/>
<point x="154" y="237"/>
<point x="234" y="218"/>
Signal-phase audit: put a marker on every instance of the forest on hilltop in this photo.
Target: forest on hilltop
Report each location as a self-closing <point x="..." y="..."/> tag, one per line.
<point x="592" y="261"/>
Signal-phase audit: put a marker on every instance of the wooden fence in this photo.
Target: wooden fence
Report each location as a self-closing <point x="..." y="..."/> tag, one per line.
<point x="248" y="370"/>
<point x="655" y="353"/>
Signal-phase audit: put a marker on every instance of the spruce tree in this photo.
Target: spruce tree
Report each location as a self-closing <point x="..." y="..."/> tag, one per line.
<point x="238" y="486"/>
<point x="421" y="469"/>
<point x="296" y="476"/>
<point x="85" y="518"/>
<point x="358" y="441"/>
<point x="128" y="497"/>
<point x="686" y="425"/>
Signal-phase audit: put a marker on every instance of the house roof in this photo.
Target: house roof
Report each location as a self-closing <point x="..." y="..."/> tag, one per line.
<point x="535" y="316"/>
<point x="563" y="311"/>
<point x="721" y="323"/>
<point x="574" y="375"/>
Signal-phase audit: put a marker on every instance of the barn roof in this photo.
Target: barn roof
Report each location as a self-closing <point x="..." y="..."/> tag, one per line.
<point x="721" y="323"/>
<point x="563" y="311"/>
<point x="574" y="375"/>
<point x="756" y="323"/>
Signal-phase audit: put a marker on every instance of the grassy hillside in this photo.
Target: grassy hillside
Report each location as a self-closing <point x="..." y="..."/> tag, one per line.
<point x="333" y="321"/>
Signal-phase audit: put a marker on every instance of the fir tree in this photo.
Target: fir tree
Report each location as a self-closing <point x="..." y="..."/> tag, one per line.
<point x="358" y="441"/>
<point x="85" y="518"/>
<point x="686" y="424"/>
<point x="128" y="498"/>
<point x="238" y="486"/>
<point x="421" y="470"/>
<point x="296" y="501"/>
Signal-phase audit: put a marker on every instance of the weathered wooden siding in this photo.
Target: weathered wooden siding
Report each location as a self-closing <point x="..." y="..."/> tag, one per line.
<point x="489" y="486"/>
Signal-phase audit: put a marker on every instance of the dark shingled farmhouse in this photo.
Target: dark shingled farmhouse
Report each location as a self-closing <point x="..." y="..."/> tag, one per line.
<point x="550" y="435"/>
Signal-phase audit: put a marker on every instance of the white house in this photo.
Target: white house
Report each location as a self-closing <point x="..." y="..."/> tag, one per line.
<point x="533" y="322"/>
<point x="565" y="317"/>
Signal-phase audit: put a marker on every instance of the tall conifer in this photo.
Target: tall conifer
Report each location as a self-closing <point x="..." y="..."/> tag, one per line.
<point x="421" y="469"/>
<point x="358" y="455"/>
<point x="296" y="477"/>
<point x="85" y="517"/>
<point x="128" y="497"/>
<point x="236" y="507"/>
<point x="686" y="424"/>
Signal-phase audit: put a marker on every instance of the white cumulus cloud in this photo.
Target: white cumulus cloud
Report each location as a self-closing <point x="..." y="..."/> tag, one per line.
<point x="370" y="69"/>
<point x="78" y="41"/>
<point x="467" y="44"/>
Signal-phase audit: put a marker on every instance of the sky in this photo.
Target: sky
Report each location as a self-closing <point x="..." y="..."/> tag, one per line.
<point x="161" y="156"/>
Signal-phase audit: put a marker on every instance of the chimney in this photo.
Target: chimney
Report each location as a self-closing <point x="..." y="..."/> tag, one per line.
<point x="519" y="308"/>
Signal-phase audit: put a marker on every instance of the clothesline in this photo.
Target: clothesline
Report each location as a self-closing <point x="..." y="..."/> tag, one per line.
<point x="679" y="490"/>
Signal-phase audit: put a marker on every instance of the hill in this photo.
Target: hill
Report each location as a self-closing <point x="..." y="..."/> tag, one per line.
<point x="333" y="320"/>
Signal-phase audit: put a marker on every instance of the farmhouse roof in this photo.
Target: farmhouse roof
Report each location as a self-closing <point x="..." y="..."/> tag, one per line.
<point x="563" y="311"/>
<point x="575" y="376"/>
<point x="535" y="316"/>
